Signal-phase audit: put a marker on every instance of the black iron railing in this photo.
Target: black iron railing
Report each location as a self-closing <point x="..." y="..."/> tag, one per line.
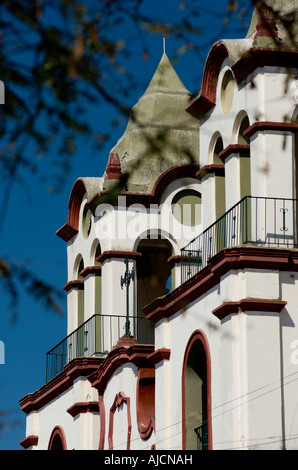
<point x="96" y="337"/>
<point x="202" y="437"/>
<point x="259" y="221"/>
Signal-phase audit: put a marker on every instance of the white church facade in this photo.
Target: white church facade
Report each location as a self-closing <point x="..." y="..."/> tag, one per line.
<point x="182" y="287"/>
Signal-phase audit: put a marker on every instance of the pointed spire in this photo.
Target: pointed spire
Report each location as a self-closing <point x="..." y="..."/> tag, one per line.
<point x="165" y="79"/>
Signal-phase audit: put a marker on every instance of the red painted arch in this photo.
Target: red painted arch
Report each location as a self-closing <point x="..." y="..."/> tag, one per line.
<point x="58" y="431"/>
<point x="198" y="335"/>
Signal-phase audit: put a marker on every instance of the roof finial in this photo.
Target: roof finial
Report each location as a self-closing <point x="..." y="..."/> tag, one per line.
<point x="164" y="44"/>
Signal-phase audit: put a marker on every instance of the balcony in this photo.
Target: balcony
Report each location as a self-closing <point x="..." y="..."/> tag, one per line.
<point x="96" y="337"/>
<point x="202" y="437"/>
<point x="259" y="221"/>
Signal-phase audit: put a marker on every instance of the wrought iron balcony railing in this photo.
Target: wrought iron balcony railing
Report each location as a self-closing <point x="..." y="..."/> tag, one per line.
<point x="96" y="337"/>
<point x="259" y="221"/>
<point x="202" y="437"/>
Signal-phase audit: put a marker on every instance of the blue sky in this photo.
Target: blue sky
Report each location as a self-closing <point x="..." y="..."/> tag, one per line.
<point x="34" y="215"/>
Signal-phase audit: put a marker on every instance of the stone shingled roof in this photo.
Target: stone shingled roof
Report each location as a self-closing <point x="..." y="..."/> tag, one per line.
<point x="160" y="134"/>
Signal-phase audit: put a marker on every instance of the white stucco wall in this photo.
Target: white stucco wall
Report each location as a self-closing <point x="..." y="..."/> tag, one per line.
<point x="253" y="367"/>
<point x="81" y="432"/>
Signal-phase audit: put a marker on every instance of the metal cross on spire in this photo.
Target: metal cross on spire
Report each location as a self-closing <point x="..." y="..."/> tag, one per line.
<point x="125" y="281"/>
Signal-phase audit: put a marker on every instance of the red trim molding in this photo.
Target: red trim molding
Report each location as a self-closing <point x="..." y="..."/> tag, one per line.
<point x="159" y="355"/>
<point x="197" y="335"/>
<point x="79" y="367"/>
<point x="270" y="126"/>
<point x="230" y="258"/>
<point x="29" y="441"/>
<point x="260" y="57"/>
<point x="58" y="431"/>
<point x="251" y="60"/>
<point x="146" y="402"/>
<point x="66" y="232"/>
<point x="207" y="97"/>
<point x="234" y="148"/>
<point x="136" y="354"/>
<point x="70" y="228"/>
<point x="102" y="416"/>
<point x="83" y="407"/>
<point x="173" y="260"/>
<point x="119" y="400"/>
<point x="132" y="255"/>
<point x="244" y="305"/>
<point x="91" y="270"/>
<point x="78" y="284"/>
<point x="213" y="168"/>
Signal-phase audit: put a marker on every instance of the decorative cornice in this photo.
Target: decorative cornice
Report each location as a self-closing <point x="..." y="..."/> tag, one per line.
<point x="206" y="100"/>
<point x="68" y="230"/>
<point x="91" y="270"/>
<point x="173" y="260"/>
<point x="72" y="224"/>
<point x="78" y="284"/>
<point x="234" y="148"/>
<point x="137" y="354"/>
<point x="83" y="407"/>
<point x="79" y="367"/>
<point x="260" y="57"/>
<point x="240" y="257"/>
<point x="162" y="354"/>
<point x="214" y="168"/>
<point x="252" y="59"/>
<point x="249" y="304"/>
<point x="29" y="441"/>
<point x="119" y="400"/>
<point x="132" y="255"/>
<point x="261" y="126"/>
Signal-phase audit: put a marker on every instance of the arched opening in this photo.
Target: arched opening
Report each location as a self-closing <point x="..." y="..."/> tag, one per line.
<point x="57" y="440"/>
<point x="86" y="221"/>
<point x="244" y="180"/>
<point x="154" y="276"/>
<point x="196" y="395"/>
<point x="244" y="154"/>
<point x="98" y="288"/>
<point x="80" y="298"/>
<point x="227" y="91"/>
<point x="220" y="190"/>
<point x="186" y="206"/>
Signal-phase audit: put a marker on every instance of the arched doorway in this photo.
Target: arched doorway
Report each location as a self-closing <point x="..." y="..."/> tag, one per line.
<point x="153" y="277"/>
<point x="196" y="395"/>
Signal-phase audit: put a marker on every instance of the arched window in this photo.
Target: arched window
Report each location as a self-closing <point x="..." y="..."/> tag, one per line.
<point x="78" y="268"/>
<point x="196" y="394"/>
<point x="57" y="439"/>
<point x="220" y="190"/>
<point x="187" y="207"/>
<point x="244" y="154"/>
<point x="97" y="279"/>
